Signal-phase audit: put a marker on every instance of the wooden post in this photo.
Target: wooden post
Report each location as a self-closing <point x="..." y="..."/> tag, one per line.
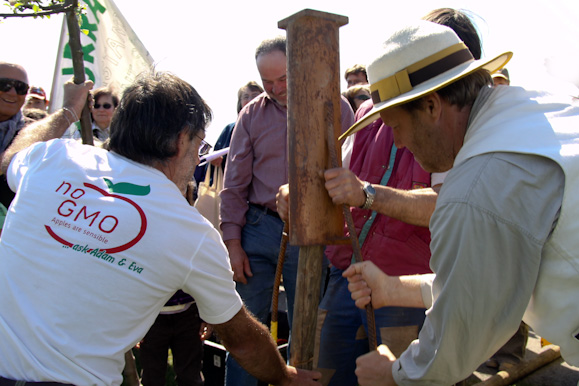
<point x="313" y="107"/>
<point x="313" y="81"/>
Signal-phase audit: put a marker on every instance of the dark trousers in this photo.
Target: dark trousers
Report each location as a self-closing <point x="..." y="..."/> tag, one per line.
<point x="180" y="333"/>
<point x="514" y="350"/>
<point x="11" y="382"/>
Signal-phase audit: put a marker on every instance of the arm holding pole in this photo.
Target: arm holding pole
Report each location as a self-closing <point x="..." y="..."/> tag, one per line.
<point x="54" y="125"/>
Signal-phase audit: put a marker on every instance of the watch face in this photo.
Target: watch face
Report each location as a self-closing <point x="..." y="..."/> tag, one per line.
<point x="370" y="189"/>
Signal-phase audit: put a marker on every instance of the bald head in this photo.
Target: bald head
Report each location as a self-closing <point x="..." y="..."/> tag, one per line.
<point x="13" y="71"/>
<point x="10" y="100"/>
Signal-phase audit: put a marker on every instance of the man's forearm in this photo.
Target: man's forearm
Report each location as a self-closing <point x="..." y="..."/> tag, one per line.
<point x="405" y="291"/>
<point x="411" y="206"/>
<point x="54" y="126"/>
<point x="253" y="348"/>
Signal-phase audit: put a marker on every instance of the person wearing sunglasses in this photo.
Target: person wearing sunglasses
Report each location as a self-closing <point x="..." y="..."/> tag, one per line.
<point x="357" y="95"/>
<point x="13" y="90"/>
<point x="105" y="103"/>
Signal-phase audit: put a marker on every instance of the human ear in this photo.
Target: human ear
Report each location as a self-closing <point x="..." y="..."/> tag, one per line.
<point x="182" y="142"/>
<point x="433" y="103"/>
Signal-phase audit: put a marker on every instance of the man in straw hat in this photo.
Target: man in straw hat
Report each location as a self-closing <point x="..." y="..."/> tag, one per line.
<point x="503" y="231"/>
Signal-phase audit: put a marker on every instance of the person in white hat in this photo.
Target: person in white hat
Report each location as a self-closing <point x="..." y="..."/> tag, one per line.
<point x="501" y="78"/>
<point x="504" y="229"/>
<point x="36" y="99"/>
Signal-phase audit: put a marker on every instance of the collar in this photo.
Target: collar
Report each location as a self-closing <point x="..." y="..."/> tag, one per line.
<point x="483" y="96"/>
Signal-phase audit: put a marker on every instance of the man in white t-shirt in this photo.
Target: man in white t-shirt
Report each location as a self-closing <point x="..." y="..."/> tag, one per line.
<point x="96" y="241"/>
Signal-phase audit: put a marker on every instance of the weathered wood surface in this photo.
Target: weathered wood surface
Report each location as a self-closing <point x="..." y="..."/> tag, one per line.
<point x="313" y="85"/>
<point x="313" y="58"/>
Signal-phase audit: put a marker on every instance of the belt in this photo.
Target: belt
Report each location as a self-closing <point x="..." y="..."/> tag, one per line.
<point x="10" y="382"/>
<point x="265" y="209"/>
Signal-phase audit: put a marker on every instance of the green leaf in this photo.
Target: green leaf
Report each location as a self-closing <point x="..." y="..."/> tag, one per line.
<point x="127" y="188"/>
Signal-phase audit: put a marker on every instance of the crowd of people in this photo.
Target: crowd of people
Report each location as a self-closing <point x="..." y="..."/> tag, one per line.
<point x="459" y="185"/>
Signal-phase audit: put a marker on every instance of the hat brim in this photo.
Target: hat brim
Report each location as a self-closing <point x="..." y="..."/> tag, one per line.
<point x="429" y="86"/>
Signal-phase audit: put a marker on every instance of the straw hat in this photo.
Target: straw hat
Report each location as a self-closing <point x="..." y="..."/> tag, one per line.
<point x="417" y="60"/>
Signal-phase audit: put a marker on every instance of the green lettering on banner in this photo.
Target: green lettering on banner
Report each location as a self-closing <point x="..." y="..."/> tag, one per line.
<point x="95" y="8"/>
<point x="86" y="25"/>
<point x="70" y="71"/>
<point x="87" y="58"/>
<point x="86" y="52"/>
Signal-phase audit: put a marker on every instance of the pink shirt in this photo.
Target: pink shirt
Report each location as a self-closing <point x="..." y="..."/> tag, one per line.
<point x="258" y="161"/>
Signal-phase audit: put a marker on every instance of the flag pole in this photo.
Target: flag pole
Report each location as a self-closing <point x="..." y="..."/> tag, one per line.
<point x="78" y="67"/>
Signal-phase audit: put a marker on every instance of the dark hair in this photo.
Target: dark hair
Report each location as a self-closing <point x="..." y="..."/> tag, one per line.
<point x="277" y="43"/>
<point x="461" y="24"/>
<point x="105" y="91"/>
<point x="252" y="86"/>
<point x="153" y="112"/>
<point x="356" y="69"/>
<point x="460" y="93"/>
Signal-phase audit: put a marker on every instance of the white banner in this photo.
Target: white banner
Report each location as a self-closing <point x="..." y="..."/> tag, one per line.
<point x="113" y="54"/>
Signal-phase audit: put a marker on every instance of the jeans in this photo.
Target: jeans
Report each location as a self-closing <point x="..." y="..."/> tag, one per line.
<point x="260" y="239"/>
<point x="343" y="328"/>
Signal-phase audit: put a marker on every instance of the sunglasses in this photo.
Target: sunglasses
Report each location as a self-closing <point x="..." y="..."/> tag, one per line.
<point x="105" y="106"/>
<point x="362" y="97"/>
<point x="6" y="84"/>
<point x="204" y="147"/>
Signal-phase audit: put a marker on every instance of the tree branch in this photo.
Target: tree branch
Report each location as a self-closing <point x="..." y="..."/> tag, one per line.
<point x="49" y="10"/>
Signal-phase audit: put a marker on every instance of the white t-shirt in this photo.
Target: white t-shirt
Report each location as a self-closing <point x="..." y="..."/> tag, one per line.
<point x="93" y="246"/>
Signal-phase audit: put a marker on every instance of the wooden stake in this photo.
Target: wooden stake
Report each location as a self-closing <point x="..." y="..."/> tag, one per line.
<point x="313" y="83"/>
<point x="306" y="306"/>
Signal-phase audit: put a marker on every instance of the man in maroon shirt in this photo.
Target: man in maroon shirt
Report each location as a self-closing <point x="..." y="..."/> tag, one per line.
<point x="257" y="167"/>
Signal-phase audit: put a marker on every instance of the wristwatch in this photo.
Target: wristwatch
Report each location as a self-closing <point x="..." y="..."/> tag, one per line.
<point x="370" y="193"/>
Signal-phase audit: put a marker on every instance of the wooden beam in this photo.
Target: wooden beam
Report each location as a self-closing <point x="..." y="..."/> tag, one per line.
<point x="313" y="108"/>
<point x="313" y="66"/>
